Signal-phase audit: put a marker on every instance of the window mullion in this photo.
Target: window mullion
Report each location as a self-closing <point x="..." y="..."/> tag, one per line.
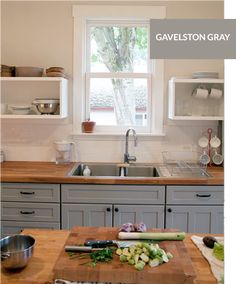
<point x="117" y="75"/>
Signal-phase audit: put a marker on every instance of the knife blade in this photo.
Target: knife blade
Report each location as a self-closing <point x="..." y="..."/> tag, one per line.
<point x="80" y="249"/>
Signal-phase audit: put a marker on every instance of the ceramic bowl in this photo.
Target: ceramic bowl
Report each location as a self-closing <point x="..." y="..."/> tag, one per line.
<point x="28" y="71"/>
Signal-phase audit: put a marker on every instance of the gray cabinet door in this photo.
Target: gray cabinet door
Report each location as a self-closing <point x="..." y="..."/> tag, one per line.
<point x="196" y="219"/>
<point x="86" y="215"/>
<point x="151" y="215"/>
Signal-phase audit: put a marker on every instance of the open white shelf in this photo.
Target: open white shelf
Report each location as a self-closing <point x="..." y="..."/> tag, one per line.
<point x="183" y="106"/>
<point x="24" y="90"/>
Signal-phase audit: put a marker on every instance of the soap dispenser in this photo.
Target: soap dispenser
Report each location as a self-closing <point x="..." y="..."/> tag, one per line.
<point x="86" y="171"/>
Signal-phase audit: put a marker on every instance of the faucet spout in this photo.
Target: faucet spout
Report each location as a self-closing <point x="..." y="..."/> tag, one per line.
<point x="127" y="157"/>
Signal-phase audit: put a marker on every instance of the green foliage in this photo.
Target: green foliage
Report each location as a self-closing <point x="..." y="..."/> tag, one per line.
<point x="218" y="251"/>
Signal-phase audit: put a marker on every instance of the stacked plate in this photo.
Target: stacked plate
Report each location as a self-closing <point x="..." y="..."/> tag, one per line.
<point x="204" y="74"/>
<point x="55" y="72"/>
<point x="7" y="71"/>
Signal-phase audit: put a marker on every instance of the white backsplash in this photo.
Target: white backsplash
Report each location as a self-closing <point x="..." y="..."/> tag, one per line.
<point x="26" y="142"/>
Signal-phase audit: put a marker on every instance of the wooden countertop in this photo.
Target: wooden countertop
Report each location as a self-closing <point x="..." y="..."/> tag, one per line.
<point x="49" y="244"/>
<point x="48" y="172"/>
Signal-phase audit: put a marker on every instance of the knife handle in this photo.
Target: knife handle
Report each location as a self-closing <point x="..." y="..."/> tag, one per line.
<point x="99" y="244"/>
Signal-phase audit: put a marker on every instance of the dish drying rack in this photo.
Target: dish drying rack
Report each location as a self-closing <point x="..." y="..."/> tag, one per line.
<point x="184" y="163"/>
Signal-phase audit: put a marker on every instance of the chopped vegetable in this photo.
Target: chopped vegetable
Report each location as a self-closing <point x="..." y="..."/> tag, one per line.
<point x="218" y="251"/>
<point x="169" y="255"/>
<point x="123" y="258"/>
<point x="144" y="253"/>
<point x="154" y="262"/>
<point x="140" y="265"/>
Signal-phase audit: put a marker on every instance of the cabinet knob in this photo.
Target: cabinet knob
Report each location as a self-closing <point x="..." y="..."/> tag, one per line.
<point x="169" y="210"/>
<point x="108" y="209"/>
<point x="116" y="209"/>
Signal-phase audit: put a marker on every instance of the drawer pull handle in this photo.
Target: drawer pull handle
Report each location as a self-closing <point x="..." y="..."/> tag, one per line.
<point x="116" y="209"/>
<point x="27" y="212"/>
<point x="203" y="195"/>
<point x="108" y="209"/>
<point x="27" y="192"/>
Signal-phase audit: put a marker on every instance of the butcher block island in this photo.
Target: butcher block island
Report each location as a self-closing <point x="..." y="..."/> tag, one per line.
<point x="50" y="261"/>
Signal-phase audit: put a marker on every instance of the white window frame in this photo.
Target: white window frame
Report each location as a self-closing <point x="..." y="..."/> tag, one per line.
<point x="83" y="13"/>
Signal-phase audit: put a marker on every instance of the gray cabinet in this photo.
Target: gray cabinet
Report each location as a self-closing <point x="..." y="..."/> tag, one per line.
<point x="28" y="205"/>
<point x="195" y="209"/>
<point x="112" y="205"/>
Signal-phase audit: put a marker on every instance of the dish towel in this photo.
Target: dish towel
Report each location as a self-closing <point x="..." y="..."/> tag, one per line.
<point x="217" y="266"/>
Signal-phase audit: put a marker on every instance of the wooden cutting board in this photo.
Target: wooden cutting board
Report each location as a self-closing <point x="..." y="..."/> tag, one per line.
<point x="178" y="270"/>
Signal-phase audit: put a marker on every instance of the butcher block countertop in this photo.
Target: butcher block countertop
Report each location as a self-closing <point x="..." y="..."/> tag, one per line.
<point x="50" y="243"/>
<point x="49" y="172"/>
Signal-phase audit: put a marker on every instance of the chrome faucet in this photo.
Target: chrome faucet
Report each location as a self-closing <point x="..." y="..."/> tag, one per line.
<point x="127" y="157"/>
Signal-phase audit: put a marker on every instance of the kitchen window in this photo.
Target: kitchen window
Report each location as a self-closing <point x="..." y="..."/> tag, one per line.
<point x="115" y="83"/>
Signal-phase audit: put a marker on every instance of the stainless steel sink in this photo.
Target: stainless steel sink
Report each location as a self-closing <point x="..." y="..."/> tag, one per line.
<point x="109" y="169"/>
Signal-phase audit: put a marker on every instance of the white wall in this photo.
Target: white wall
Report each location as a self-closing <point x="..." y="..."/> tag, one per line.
<point x="41" y="34"/>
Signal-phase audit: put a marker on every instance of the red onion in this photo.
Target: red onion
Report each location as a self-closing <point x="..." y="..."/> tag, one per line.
<point x="127" y="227"/>
<point x="141" y="227"/>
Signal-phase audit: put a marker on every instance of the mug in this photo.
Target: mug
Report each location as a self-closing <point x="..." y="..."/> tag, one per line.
<point x="200" y="92"/>
<point x="215" y="142"/>
<point x="215" y="94"/>
<point x="203" y="142"/>
<point x="204" y="158"/>
<point x="217" y="159"/>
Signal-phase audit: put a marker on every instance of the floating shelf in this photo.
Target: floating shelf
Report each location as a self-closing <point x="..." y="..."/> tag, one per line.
<point x="24" y="90"/>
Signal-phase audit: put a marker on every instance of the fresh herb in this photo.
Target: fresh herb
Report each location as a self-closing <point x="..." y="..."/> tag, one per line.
<point x="104" y="255"/>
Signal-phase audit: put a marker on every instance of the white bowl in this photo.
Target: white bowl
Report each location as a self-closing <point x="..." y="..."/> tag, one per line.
<point x="19" y="109"/>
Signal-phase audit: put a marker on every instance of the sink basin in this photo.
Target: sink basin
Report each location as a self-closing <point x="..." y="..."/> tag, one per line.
<point x="109" y="169"/>
<point x="141" y="171"/>
<point x="97" y="170"/>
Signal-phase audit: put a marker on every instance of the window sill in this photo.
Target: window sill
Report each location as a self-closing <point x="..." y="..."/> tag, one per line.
<point x="114" y="136"/>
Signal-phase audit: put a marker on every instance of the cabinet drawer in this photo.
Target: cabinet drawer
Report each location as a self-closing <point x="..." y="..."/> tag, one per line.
<point x="41" y="212"/>
<point x="123" y="194"/>
<point x="30" y="192"/>
<point x="195" y="195"/>
<point x="13" y="227"/>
